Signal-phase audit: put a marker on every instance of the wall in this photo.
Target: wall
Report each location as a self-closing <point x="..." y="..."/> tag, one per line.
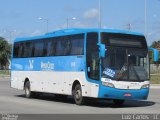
<point x="155" y="69"/>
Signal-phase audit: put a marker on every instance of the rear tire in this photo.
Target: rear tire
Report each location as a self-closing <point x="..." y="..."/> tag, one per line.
<point x="77" y="93"/>
<point x="27" y="90"/>
<point x="118" y="102"/>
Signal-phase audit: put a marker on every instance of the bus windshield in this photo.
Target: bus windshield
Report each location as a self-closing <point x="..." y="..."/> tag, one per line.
<point x="126" y="63"/>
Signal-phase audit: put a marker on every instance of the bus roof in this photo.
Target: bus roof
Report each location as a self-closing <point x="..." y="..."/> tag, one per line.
<point x="72" y="31"/>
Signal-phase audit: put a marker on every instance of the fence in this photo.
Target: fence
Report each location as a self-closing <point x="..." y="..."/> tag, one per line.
<point x="155" y="68"/>
<point x="155" y="73"/>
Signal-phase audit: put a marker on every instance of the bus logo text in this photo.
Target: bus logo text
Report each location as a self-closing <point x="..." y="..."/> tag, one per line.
<point x="31" y="64"/>
<point x="47" y="66"/>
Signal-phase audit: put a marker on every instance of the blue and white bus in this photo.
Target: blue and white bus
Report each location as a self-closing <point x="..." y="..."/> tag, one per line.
<point x="83" y="63"/>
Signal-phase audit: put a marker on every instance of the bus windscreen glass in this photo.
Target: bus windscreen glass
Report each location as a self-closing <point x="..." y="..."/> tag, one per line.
<point x="126" y="58"/>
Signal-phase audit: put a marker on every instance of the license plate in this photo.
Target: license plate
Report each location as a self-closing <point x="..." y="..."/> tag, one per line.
<point x="127" y="95"/>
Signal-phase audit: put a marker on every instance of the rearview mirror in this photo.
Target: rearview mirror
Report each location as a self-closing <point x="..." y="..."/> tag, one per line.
<point x="102" y="49"/>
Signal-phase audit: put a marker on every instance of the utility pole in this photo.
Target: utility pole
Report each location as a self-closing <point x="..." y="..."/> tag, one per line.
<point x="129" y="27"/>
<point x="73" y="18"/>
<point x="100" y="17"/>
<point x="145" y="17"/>
<point x="46" y="20"/>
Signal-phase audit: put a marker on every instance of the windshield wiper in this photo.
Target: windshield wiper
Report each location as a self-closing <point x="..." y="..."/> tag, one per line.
<point x="122" y="72"/>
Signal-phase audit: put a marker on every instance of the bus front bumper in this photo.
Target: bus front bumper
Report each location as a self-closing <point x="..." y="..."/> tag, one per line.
<point x="113" y="93"/>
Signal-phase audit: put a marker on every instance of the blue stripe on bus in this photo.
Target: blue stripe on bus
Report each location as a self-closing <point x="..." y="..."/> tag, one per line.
<point x="61" y="63"/>
<point x="73" y="31"/>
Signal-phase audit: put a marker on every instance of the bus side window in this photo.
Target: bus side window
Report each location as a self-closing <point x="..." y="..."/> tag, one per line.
<point x="16" y="50"/>
<point x="45" y="46"/>
<point x="59" y="48"/>
<point x="67" y="48"/>
<point x="27" y="50"/>
<point x="51" y="48"/>
<point x="92" y="56"/>
<point x="62" y="46"/>
<point x="21" y="50"/>
<point x="38" y="49"/>
<point x="77" y="47"/>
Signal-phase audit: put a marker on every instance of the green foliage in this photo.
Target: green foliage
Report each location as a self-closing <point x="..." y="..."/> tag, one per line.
<point x="5" y="53"/>
<point x="155" y="79"/>
<point x="155" y="44"/>
<point x="4" y="72"/>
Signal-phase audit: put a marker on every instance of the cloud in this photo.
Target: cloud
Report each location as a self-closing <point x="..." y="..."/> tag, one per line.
<point x="10" y="14"/>
<point x="91" y="13"/>
<point x="1" y="34"/>
<point x="153" y="36"/>
<point x="68" y="9"/>
<point x="155" y="15"/>
<point x="80" y="25"/>
<point x="76" y="24"/>
<point x="36" y="32"/>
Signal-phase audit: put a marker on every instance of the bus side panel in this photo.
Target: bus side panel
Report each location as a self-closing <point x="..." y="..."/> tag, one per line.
<point x="85" y="86"/>
<point x="52" y="74"/>
<point x="17" y="80"/>
<point x="40" y="81"/>
<point x="54" y="82"/>
<point x="14" y="80"/>
<point x="94" y="90"/>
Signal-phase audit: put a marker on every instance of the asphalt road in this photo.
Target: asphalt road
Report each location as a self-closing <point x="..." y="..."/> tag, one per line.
<point x="14" y="102"/>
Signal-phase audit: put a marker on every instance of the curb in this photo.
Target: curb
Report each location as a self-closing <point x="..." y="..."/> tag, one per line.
<point x="4" y="77"/>
<point x="155" y="86"/>
<point x="1" y="75"/>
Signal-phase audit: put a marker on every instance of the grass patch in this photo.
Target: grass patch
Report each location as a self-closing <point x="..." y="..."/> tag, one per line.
<point x="4" y="72"/>
<point x="155" y="79"/>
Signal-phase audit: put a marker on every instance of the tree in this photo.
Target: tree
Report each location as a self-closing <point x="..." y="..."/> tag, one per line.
<point x="156" y="44"/>
<point x="5" y="53"/>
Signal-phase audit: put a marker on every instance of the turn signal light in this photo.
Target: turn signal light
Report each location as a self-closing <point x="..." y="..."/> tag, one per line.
<point x="145" y="86"/>
<point x="108" y="84"/>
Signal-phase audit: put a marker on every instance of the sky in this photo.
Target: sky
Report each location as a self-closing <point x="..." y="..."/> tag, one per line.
<point x="19" y="18"/>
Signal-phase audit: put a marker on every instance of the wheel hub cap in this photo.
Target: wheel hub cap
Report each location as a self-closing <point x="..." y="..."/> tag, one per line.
<point x="78" y="94"/>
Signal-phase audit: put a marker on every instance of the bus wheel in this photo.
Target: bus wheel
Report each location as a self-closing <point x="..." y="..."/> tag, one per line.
<point x="78" y="98"/>
<point x="118" y="102"/>
<point x="27" y="90"/>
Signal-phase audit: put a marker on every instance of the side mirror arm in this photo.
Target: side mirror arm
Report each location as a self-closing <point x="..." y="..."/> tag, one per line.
<point x="102" y="49"/>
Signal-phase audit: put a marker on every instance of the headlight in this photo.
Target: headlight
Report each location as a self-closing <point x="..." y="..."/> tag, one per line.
<point x="108" y="84"/>
<point x="145" y="86"/>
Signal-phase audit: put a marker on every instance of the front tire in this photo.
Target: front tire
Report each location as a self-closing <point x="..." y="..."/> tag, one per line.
<point x="78" y="98"/>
